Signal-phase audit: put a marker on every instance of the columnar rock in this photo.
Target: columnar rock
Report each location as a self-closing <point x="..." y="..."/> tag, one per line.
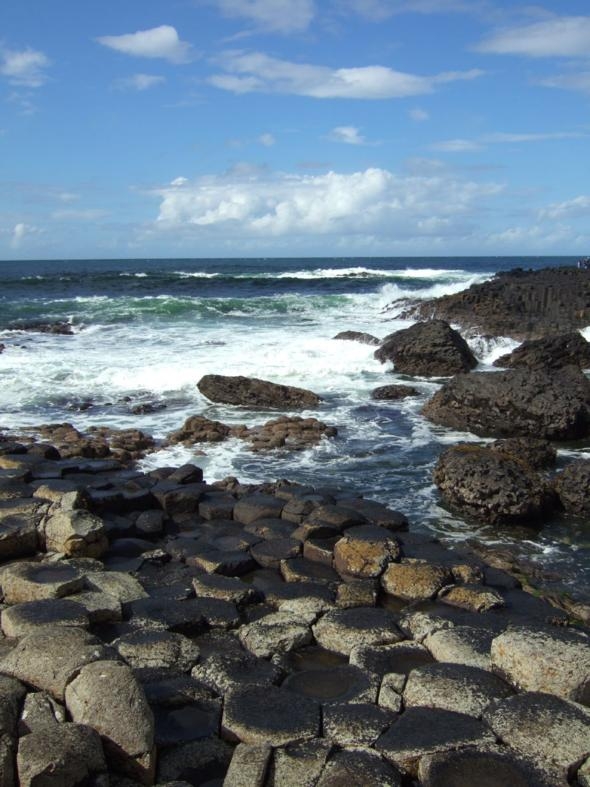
<point x="252" y="392"/>
<point x="523" y="402"/>
<point x="107" y="696"/>
<point x="489" y="485"/>
<point x="549" y="352"/>
<point x="75" y="532"/>
<point x="430" y="349"/>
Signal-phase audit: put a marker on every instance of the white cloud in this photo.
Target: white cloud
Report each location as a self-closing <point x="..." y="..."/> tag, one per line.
<point x="158" y="42"/>
<point x="567" y="36"/>
<point x="573" y="208"/>
<point x="579" y="81"/>
<point x="419" y="115"/>
<point x="378" y="10"/>
<point x="248" y="72"/>
<point x="370" y="202"/>
<point x="267" y="140"/>
<point x="456" y="146"/>
<point x="21" y="231"/>
<point x="279" y="16"/>
<point x="25" y="68"/>
<point x="347" y="134"/>
<point x="499" y="138"/>
<point x="139" y="82"/>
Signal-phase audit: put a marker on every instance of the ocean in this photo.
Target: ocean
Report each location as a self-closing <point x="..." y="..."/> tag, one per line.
<point x="146" y="331"/>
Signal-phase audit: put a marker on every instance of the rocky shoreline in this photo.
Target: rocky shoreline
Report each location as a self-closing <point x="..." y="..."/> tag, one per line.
<point x="159" y="629"/>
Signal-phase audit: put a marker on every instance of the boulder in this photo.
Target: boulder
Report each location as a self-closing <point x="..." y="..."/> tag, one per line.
<point x="34" y="581"/>
<point x="106" y="695"/>
<point x="18" y="536"/>
<point x="556" y="661"/>
<point x="340" y="630"/>
<point x="198" y="429"/>
<point x="415" y="580"/>
<point x="549" y="352"/>
<point x="358" y="336"/>
<point x="252" y="392"/>
<point x="28" y="617"/>
<point x="465" y="645"/>
<point x="365" y="551"/>
<point x="223" y="672"/>
<point x="519" y="402"/>
<point x="572" y="486"/>
<point x="62" y="754"/>
<point x="40" y="710"/>
<point x="428" y="349"/>
<point x="75" y="533"/>
<point x="473" y="598"/>
<point x="293" y="433"/>
<point x="393" y="393"/>
<point x="280" y="632"/>
<point x="490" y="486"/>
<point x="539" y="454"/>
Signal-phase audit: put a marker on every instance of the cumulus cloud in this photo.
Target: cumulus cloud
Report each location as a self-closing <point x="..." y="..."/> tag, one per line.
<point x="574" y="208"/>
<point x="348" y="134"/>
<point x="25" y="68"/>
<point x="158" y="42"/>
<point x="373" y="202"/>
<point x="566" y="36"/>
<point x="139" y="82"/>
<point x="248" y="72"/>
<point x="278" y="16"/>
<point x="21" y="231"/>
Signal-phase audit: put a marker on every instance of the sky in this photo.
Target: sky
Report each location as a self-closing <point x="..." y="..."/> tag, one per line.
<point x="253" y="128"/>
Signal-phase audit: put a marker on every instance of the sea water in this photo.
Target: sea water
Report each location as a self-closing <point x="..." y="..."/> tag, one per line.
<point x="146" y="331"/>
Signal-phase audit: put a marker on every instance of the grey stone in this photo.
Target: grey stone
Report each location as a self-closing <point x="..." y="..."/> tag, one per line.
<point x="61" y="755"/>
<point x="269" y="554"/>
<point x="107" y="696"/>
<point x="39" y="710"/>
<point x="75" y="533"/>
<point x="545" y="659"/>
<point x="225" y="671"/>
<point x="474" y="598"/>
<point x="49" y="658"/>
<point x="549" y="730"/>
<point x="299" y="763"/>
<point x="12" y="693"/>
<point x="389" y="693"/>
<point x="355" y="724"/>
<point x="18" y="536"/>
<point x="165" y="649"/>
<point x="123" y="587"/>
<point x="26" y="618"/>
<point x="415" y="580"/>
<point x="255" y="506"/>
<point x="393" y="659"/>
<point x="198" y="762"/>
<point x="226" y="588"/>
<point x="276" y="633"/>
<point x="248" y="766"/>
<point x="462" y="645"/>
<point x="100" y="607"/>
<point x="358" y="768"/>
<point x="419" y="625"/>
<point x="341" y="630"/>
<point x="34" y="581"/>
<point x="271" y="715"/>
<point x="336" y="684"/>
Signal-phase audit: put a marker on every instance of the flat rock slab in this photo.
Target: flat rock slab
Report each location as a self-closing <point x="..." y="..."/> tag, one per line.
<point x="397" y="659"/>
<point x="358" y="767"/>
<point x="26" y="618"/>
<point x="552" y="660"/>
<point x="18" y="536"/>
<point x="465" y="645"/>
<point x="276" y="633"/>
<point x="337" y="684"/>
<point x="299" y="763"/>
<point x="454" y="687"/>
<point x="422" y="731"/>
<point x="488" y="768"/>
<point x="252" y="392"/>
<point x="355" y="724"/>
<point x="549" y="730"/>
<point x="365" y="551"/>
<point x="50" y="658"/>
<point x="341" y="630"/>
<point x="269" y="715"/>
<point x="34" y="581"/>
<point x="225" y="588"/>
<point x="158" y="649"/>
<point x="473" y="598"/>
<point x="248" y="766"/>
<point x="226" y="671"/>
<point x="415" y="580"/>
<point x="269" y="554"/>
<point x="197" y="762"/>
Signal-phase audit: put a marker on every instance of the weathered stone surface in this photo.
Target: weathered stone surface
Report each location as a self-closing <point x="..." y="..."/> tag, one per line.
<point x="338" y="684"/>
<point x="358" y="767"/>
<point x="465" y="645"/>
<point x="298" y="569"/>
<point x="573" y="487"/>
<point x="269" y="715"/>
<point x="474" y="598"/>
<point x="549" y="352"/>
<point x="118" y="584"/>
<point x="355" y="724"/>
<point x="18" y="536"/>
<point x="198" y="762"/>
<point x="12" y="693"/>
<point x="252" y="392"/>
<point x="524" y="304"/>
<point x="415" y="580"/>
<point x="248" y="766"/>
<point x="357" y="593"/>
<point x="357" y="336"/>
<point x="454" y="687"/>
<point x="150" y="649"/>
<point x="492" y="767"/>
<point x="290" y="432"/>
<point x="60" y="754"/>
<point x="365" y="551"/>
<point x="226" y="588"/>
<point x="556" y="661"/>
<point x="389" y="693"/>
<point x="429" y="349"/>
<point x="257" y="506"/>
<point x="520" y="402"/>
<point x="106" y="696"/>
<point x="269" y="554"/>
<point x="76" y="533"/>
<point x="39" y="710"/>
<point x="419" y="625"/>
<point x="544" y="728"/>
<point x="393" y="393"/>
<point x="341" y="630"/>
<point x="230" y="670"/>
<point x="33" y="581"/>
<point x="395" y="660"/>
<point x="198" y="429"/>
<point x="100" y="607"/>
<point x="22" y="619"/>
<point x="276" y="633"/>
<point x="422" y="731"/>
<point x="299" y="763"/>
<point x="490" y="486"/>
<point x="539" y="454"/>
<point x="50" y="658"/>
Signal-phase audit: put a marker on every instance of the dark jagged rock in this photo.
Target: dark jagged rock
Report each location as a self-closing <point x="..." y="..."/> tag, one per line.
<point x="539" y="454"/>
<point x="573" y="487"/>
<point x="429" y="349"/>
<point x="489" y="485"/>
<point x="393" y="393"/>
<point x="520" y="402"/>
<point x="358" y="336"/>
<point x="198" y="429"/>
<point x="252" y="392"/>
<point x="518" y="303"/>
<point x="293" y="433"/>
<point x="60" y="327"/>
<point x="549" y="352"/>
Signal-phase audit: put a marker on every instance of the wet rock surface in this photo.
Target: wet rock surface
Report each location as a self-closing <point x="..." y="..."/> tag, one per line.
<point x="550" y="352"/>
<point x="266" y="634"/>
<point x="252" y="392"/>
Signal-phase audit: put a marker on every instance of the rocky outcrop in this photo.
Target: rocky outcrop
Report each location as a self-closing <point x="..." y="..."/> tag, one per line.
<point x="520" y="402"/>
<point x="252" y="392"/>
<point x="490" y="486"/>
<point x="522" y="304"/>
<point x="393" y="393"/>
<point x="572" y="486"/>
<point x="60" y="327"/>
<point x="428" y="349"/>
<point x="358" y="336"/>
<point x="550" y="352"/>
<point x="539" y="454"/>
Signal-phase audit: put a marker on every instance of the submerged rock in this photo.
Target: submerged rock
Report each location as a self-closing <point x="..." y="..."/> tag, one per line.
<point x="252" y="392"/>
<point x="393" y="393"/>
<point x="358" y="336"/>
<point x="429" y="349"/>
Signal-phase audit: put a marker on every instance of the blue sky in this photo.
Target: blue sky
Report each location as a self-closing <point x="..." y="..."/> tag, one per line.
<point x="230" y="128"/>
